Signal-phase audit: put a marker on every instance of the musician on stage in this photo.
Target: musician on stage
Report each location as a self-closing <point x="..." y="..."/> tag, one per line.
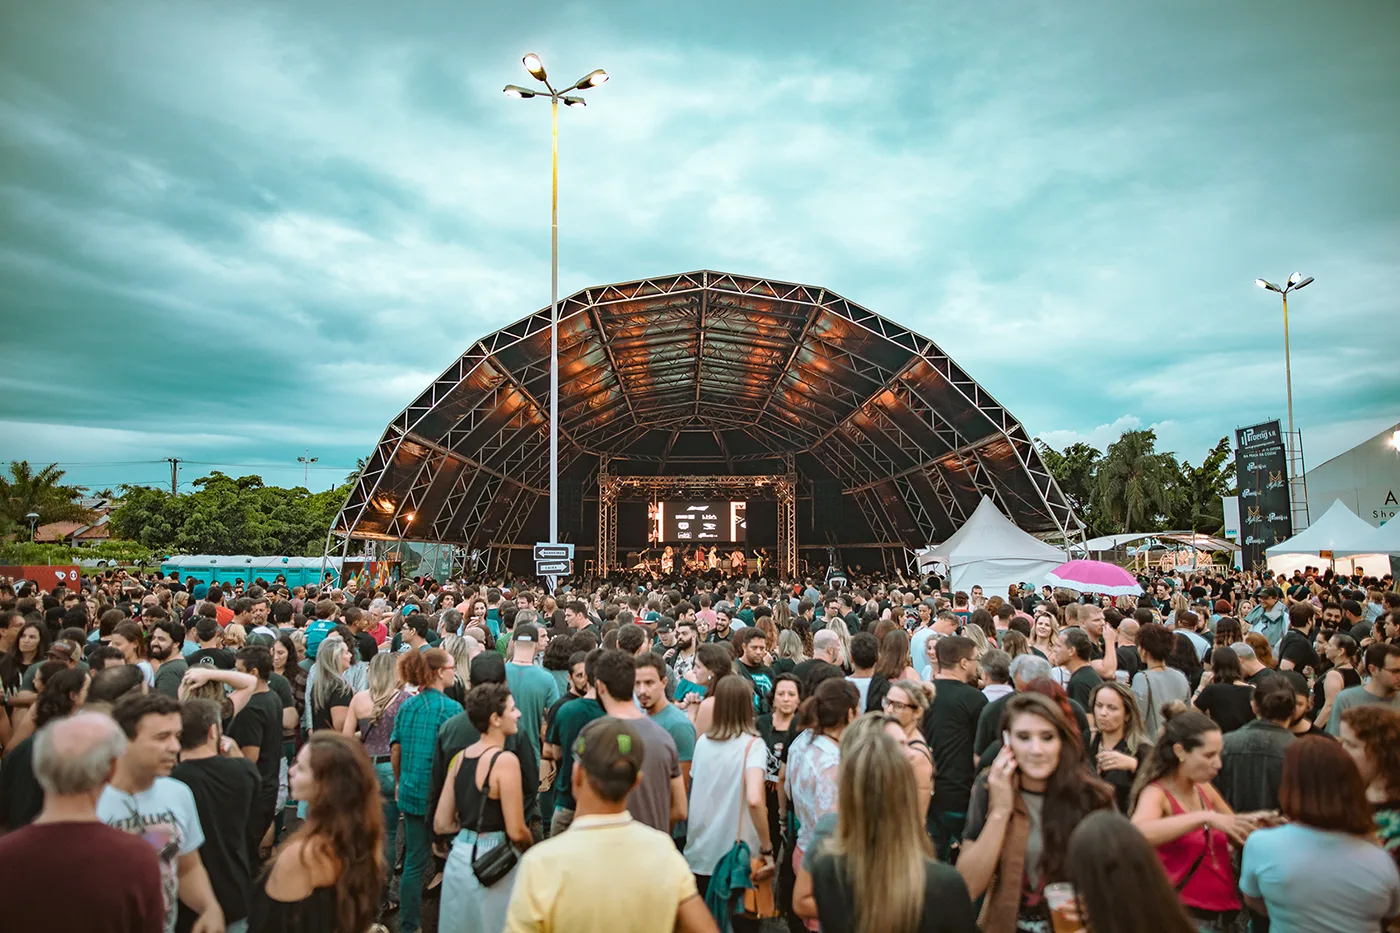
<point x="736" y="561"/>
<point x="714" y="558"/>
<point x="668" y="560"/>
<point x="758" y="560"/>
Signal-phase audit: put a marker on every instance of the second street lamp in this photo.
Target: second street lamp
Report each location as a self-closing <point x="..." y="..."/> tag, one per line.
<point x="1295" y="281"/>
<point x="569" y="97"/>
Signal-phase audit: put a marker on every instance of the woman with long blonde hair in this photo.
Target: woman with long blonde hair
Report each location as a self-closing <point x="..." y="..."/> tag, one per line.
<point x="838" y="626"/>
<point x="877" y="873"/>
<point x="372" y="715"/>
<point x="460" y="649"/>
<point x="1043" y="633"/>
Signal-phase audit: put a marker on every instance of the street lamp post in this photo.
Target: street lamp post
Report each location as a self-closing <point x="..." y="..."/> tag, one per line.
<point x="1295" y="282"/>
<point x="594" y="78"/>
<point x="33" y="518"/>
<point x="306" y="462"/>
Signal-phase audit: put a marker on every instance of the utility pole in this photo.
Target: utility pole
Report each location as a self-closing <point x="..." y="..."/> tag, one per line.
<point x="174" y="475"/>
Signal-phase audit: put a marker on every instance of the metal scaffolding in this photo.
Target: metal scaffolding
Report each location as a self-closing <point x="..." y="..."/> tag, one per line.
<point x="703" y="374"/>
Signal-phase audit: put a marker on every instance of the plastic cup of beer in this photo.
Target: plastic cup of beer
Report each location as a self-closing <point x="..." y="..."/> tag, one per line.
<point x="1064" y="907"/>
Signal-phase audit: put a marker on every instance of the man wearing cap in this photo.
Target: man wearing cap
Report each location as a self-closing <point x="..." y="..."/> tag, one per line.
<point x="611" y="874"/>
<point x="534" y="688"/>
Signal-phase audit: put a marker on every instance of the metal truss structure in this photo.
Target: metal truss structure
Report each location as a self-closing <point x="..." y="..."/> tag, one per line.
<point x="704" y="373"/>
<point x="782" y="487"/>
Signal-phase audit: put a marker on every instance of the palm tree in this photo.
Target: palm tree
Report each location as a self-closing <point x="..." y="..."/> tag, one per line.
<point x="25" y="491"/>
<point x="359" y="468"/>
<point x="1134" y="481"/>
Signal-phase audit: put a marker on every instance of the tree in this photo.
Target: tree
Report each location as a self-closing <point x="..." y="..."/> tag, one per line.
<point x="25" y="491"/>
<point x="359" y="468"/>
<point x="1074" y="470"/>
<point x="228" y="515"/>
<point x="1133" y="485"/>
<point x="1196" y="491"/>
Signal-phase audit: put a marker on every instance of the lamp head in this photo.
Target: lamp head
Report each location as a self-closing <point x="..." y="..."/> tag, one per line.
<point x="1263" y="283"/>
<point x="574" y="102"/>
<point x="592" y="79"/>
<point x="1304" y="283"/>
<point x="533" y="65"/>
<point x="514" y="90"/>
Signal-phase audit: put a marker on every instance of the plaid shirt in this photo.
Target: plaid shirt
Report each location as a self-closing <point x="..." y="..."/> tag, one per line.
<point x="415" y="732"/>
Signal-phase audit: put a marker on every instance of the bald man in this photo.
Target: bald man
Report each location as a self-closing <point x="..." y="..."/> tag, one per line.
<point x="121" y="891"/>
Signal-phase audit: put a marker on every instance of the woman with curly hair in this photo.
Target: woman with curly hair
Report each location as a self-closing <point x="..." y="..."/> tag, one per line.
<point x="1371" y="735"/>
<point x="328" y="875"/>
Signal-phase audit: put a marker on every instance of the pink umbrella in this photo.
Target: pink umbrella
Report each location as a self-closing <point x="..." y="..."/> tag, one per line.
<point x="1094" y="576"/>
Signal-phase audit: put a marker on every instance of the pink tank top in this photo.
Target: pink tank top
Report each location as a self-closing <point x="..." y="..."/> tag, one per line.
<point x="1212" y="885"/>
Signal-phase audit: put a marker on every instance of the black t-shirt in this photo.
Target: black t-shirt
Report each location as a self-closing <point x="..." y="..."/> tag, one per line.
<point x="1228" y="705"/>
<point x="1297" y="647"/>
<point x="21" y="797"/>
<point x="366" y="645"/>
<point x="221" y="658"/>
<point x="223" y="790"/>
<point x="949" y="727"/>
<point x="777" y="741"/>
<point x="947" y="906"/>
<point x="1130" y="661"/>
<point x="761" y="678"/>
<point x="283" y="688"/>
<point x="260" y="723"/>
<point x="340" y="695"/>
<point x="1259" y="676"/>
<point x="1081" y="685"/>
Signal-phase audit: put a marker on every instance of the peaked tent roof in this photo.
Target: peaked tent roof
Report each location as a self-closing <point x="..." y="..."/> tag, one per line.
<point x="1339" y="530"/>
<point x="990" y="535"/>
<point x="1387" y="537"/>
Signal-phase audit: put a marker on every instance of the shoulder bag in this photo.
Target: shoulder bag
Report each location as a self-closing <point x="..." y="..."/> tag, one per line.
<point x="758" y="901"/>
<point x="496" y="864"/>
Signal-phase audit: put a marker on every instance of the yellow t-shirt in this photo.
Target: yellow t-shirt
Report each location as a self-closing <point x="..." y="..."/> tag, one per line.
<point x="606" y="874"/>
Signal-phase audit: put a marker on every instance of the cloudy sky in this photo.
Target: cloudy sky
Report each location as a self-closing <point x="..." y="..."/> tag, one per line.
<point x="231" y="233"/>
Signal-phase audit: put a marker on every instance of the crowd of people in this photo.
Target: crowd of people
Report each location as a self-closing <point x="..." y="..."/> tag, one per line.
<point x="700" y="752"/>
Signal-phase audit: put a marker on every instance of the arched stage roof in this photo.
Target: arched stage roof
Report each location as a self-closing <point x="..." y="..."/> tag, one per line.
<point x="703" y="373"/>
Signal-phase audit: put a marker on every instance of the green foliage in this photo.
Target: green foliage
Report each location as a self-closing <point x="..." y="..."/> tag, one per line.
<point x="24" y="491"/>
<point x="122" y="552"/>
<point x="1133" y="488"/>
<point x="227" y="515"/>
<point x="1196" y="491"/>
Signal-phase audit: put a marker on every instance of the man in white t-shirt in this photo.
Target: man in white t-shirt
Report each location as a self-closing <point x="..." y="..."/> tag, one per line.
<point x="142" y="799"/>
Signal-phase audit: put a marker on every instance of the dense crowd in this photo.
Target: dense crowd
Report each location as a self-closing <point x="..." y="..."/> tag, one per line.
<point x="701" y="751"/>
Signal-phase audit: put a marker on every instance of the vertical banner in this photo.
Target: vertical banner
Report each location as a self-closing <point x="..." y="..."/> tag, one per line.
<point x="1261" y="465"/>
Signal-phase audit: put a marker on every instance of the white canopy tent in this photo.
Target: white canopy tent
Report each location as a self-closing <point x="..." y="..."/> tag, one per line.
<point x="1339" y="535"/>
<point x="991" y="552"/>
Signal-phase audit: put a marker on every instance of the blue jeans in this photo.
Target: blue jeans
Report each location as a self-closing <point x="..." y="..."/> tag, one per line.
<point x="418" y="850"/>
<point x="385" y="772"/>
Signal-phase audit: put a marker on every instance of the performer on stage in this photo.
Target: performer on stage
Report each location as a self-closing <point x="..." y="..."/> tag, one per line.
<point x="700" y="557"/>
<point x="714" y="558"/>
<point x="758" y="559"/>
<point x="668" y="560"/>
<point x="736" y="561"/>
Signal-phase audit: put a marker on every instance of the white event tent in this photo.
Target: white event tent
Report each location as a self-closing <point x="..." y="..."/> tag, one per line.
<point x="1340" y="535"/>
<point x="991" y="552"/>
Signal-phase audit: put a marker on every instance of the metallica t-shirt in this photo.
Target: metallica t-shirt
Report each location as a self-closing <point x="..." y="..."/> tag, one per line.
<point x="164" y="815"/>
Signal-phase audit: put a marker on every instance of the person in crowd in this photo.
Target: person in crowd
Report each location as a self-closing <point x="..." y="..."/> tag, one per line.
<point x="791" y="651"/>
<point x="1158" y="684"/>
<point x="142" y="798"/>
<point x="996" y="674"/>
<point x="950" y="728"/>
<point x="121" y="879"/>
<point x="1075" y="653"/>
<point x="1382" y="687"/>
<point x="906" y="703"/>
<point x="1226" y="698"/>
<point x="1269" y="618"/>
<point x="482" y="802"/>
<point x="1339" y="673"/>
<point x="258" y="731"/>
<point x="752" y="665"/>
<point x="1263" y="650"/>
<point x="61" y="693"/>
<point x="225" y="789"/>
<point x="373" y="712"/>
<point x="876" y="871"/>
<point x="1043" y="633"/>
<point x="1022" y="810"/>
<point x="563" y="732"/>
<point x="1321" y="872"/>
<point x="163" y="655"/>
<point x="329" y="701"/>
<point x="327" y="876"/>
<point x="1371" y="735"/>
<point x="865" y="654"/>
<point x="411" y="746"/>
<point x="527" y="679"/>
<point x="650" y="688"/>
<point x="575" y="882"/>
<point x="1251" y="759"/>
<point x="814" y="756"/>
<point x="1120" y="744"/>
<point x="28" y="650"/>
<point x="1184" y="817"/>
<point x="727" y="777"/>
<point x="1296" y="651"/>
<point x="1118" y="881"/>
<point x="660" y="800"/>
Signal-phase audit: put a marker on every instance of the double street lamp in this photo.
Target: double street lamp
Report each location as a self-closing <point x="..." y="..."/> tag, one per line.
<point x="571" y="99"/>
<point x="1295" y="281"/>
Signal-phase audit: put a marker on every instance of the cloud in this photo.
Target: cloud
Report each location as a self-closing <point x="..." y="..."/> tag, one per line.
<point x="246" y="229"/>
